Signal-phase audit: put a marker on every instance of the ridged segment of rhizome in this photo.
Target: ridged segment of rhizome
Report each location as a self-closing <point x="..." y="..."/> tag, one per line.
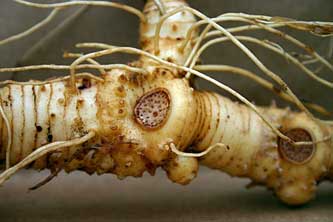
<point x="40" y="114"/>
<point x="252" y="150"/>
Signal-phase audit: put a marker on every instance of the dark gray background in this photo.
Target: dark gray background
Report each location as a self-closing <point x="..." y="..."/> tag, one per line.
<point x="213" y="196"/>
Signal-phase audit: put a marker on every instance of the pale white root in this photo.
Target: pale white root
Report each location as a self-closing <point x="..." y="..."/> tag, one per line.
<point x="213" y="33"/>
<point x="272" y="29"/>
<point x="93" y="3"/>
<point x="92" y="61"/>
<point x="269" y="45"/>
<point x="65" y="67"/>
<point x="32" y="29"/>
<point x="201" y="154"/>
<point x="82" y="58"/>
<point x="239" y="29"/>
<point x="196" y="46"/>
<point x="319" y="28"/>
<point x="71" y="68"/>
<point x="38" y="83"/>
<point x="41" y="151"/>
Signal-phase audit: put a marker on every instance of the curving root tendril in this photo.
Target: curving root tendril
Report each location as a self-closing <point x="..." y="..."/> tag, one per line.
<point x="269" y="45"/>
<point x="94" y="62"/>
<point x="32" y="29"/>
<point x="201" y="154"/>
<point x="270" y="27"/>
<point x="92" y="3"/>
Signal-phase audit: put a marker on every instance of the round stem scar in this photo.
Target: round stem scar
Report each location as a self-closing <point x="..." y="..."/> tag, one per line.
<point x="152" y="109"/>
<point x="296" y="154"/>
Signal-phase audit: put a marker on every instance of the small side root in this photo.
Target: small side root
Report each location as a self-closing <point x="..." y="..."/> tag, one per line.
<point x="92" y="3"/>
<point x="265" y="23"/>
<point x="270" y="46"/>
<point x="65" y="67"/>
<point x="32" y="29"/>
<point x="53" y="174"/>
<point x="38" y="83"/>
<point x="201" y="154"/>
<point x="92" y="61"/>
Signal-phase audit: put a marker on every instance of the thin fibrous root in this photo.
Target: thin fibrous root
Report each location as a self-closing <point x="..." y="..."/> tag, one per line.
<point x="201" y="154"/>
<point x="93" y="3"/>
<point x="196" y="46"/>
<point x="274" y="22"/>
<point x="271" y="46"/>
<point x="221" y="18"/>
<point x="272" y="29"/>
<point x="38" y="83"/>
<point x="238" y="29"/>
<point x="92" y="61"/>
<point x="322" y="29"/>
<point x="32" y="29"/>
<point x="318" y="28"/>
<point x="256" y="61"/>
<point x="46" y="180"/>
<point x="266" y="84"/>
<point x="111" y="49"/>
<point x="256" y="25"/>
<point x="65" y="67"/>
<point x="205" y="34"/>
<point x="41" y="151"/>
<point x="83" y="58"/>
